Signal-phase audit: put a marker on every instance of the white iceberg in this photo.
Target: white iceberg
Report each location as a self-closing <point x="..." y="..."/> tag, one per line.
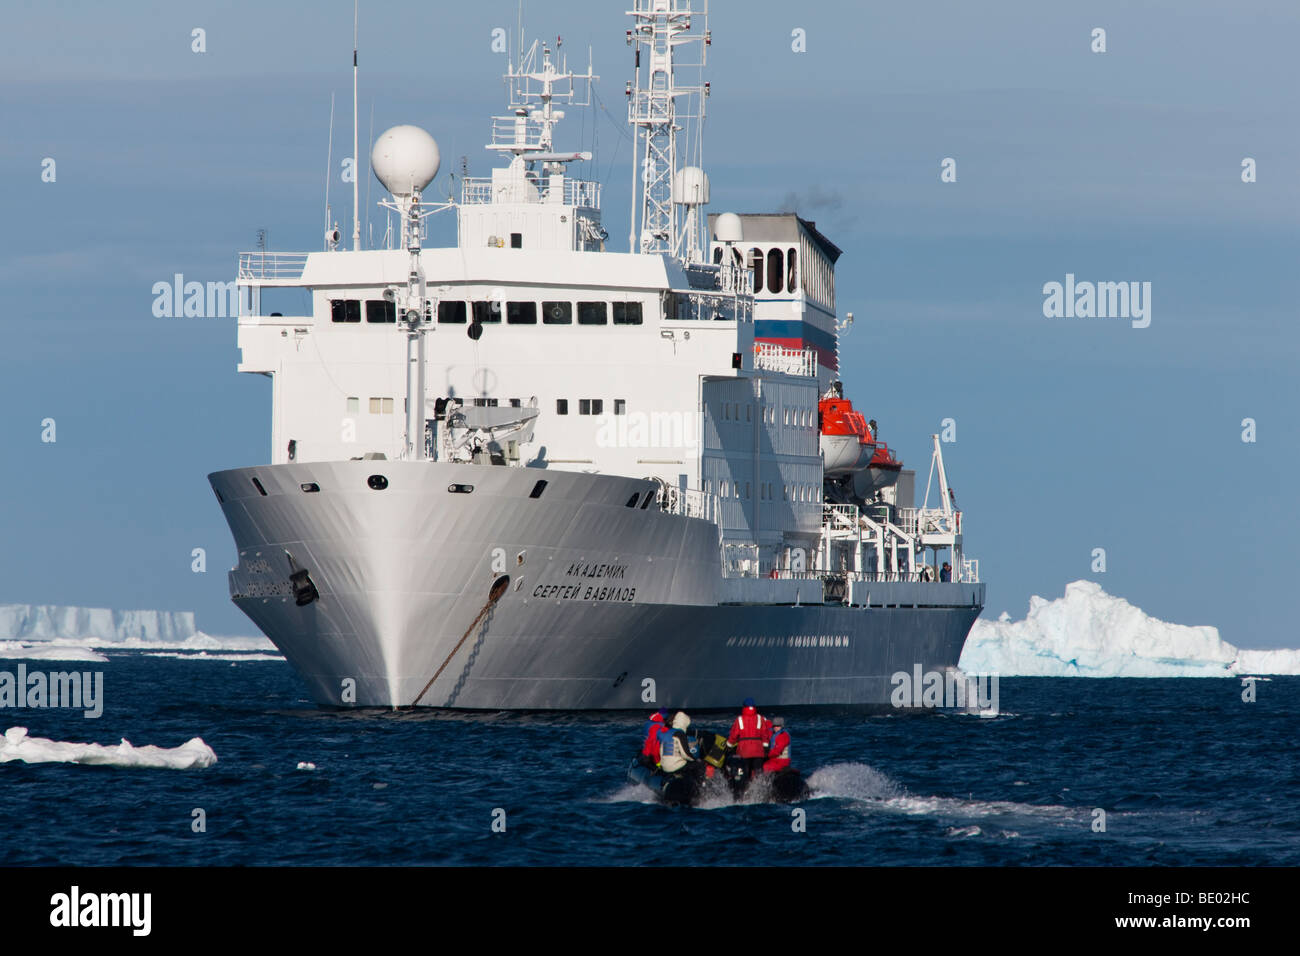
<point x="97" y="627"/>
<point x="1089" y="633"/>
<point x="16" y="745"/>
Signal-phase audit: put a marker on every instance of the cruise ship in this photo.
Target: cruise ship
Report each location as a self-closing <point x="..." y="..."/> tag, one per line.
<point x="534" y="471"/>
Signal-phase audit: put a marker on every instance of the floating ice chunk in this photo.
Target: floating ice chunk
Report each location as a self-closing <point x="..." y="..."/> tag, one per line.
<point x="1089" y="633"/>
<point x="52" y="651"/>
<point x="18" y="746"/>
<point x="205" y="656"/>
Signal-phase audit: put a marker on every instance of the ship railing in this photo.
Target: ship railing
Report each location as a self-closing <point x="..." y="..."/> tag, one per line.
<point x="583" y="193"/>
<point x="970" y="570"/>
<point x="690" y="503"/>
<point x="889" y="577"/>
<point x="275" y="266"/>
<point x="936" y="521"/>
<point x="740" y="560"/>
<point x="771" y="357"/>
<point x="869" y="577"/>
<point x="735" y="280"/>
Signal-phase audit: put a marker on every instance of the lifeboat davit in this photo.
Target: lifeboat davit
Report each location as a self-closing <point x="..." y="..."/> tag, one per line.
<point x="846" y="442"/>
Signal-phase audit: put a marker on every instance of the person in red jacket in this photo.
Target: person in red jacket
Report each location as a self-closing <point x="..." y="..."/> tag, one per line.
<point x="750" y="735"/>
<point x="650" y="748"/>
<point x="778" y="751"/>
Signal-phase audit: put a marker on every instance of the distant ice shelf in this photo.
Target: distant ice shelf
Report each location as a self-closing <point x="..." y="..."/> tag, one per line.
<point x="1089" y="633"/>
<point x="91" y="627"/>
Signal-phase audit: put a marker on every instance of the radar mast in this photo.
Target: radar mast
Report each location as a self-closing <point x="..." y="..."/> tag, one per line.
<point x="659" y="108"/>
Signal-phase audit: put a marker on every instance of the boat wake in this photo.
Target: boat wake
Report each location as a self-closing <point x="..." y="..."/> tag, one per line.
<point x="16" y="745"/>
<point x="864" y="784"/>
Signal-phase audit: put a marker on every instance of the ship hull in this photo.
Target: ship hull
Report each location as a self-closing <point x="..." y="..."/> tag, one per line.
<point x="607" y="606"/>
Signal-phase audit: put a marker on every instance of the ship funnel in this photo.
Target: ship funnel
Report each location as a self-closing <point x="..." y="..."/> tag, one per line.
<point x="405" y="159"/>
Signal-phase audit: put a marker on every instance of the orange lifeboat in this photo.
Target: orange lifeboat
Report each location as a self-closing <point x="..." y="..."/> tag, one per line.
<point x="846" y="442"/>
<point x="881" y="472"/>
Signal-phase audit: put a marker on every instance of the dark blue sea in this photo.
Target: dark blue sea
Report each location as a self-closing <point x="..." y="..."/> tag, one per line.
<point x="1184" y="770"/>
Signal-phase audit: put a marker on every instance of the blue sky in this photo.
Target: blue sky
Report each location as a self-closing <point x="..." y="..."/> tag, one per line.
<point x="1072" y="434"/>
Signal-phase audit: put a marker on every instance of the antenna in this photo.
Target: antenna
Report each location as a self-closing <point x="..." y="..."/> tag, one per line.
<point x="329" y="163"/>
<point x="331" y="233"/>
<point x="356" y="204"/>
<point x="370" y="229"/>
<point x="659" y="109"/>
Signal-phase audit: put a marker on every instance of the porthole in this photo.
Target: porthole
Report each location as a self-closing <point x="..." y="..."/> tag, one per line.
<point x="377" y="482"/>
<point x="310" y="487"/>
<point x="460" y="489"/>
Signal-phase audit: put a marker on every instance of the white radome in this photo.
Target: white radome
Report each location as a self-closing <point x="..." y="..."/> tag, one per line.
<point x="405" y="159"/>
<point x="727" y="228"/>
<point x="691" y="186"/>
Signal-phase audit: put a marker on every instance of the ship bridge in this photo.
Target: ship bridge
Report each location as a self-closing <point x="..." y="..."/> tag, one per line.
<point x="793" y="269"/>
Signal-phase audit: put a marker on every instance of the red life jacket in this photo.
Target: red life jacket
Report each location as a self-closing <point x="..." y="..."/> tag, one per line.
<point x="750" y="733"/>
<point x="651" y="746"/>
<point x="779" y="751"/>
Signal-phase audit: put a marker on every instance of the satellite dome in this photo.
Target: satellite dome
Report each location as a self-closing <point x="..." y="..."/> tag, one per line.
<point x="405" y="159"/>
<point x="726" y="228"/>
<point x="691" y="186"/>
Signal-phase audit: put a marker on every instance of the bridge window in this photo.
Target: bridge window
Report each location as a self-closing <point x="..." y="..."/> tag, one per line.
<point x="486" y="312"/>
<point x="792" y="271"/>
<point x="561" y="406"/>
<point x="380" y="310"/>
<point x="354" y="406"/>
<point x="756" y="264"/>
<point x="381" y="406"/>
<point x="717" y="255"/>
<point x="620" y="406"/>
<point x="627" y="313"/>
<point x="593" y="313"/>
<point x="775" y="270"/>
<point x="676" y="307"/>
<point x="521" y="313"/>
<point x="452" y="313"/>
<point x="557" y="313"/>
<point x="345" y="310"/>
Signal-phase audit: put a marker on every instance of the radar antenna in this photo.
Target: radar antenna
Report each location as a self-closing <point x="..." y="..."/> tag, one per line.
<point x="658" y="109"/>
